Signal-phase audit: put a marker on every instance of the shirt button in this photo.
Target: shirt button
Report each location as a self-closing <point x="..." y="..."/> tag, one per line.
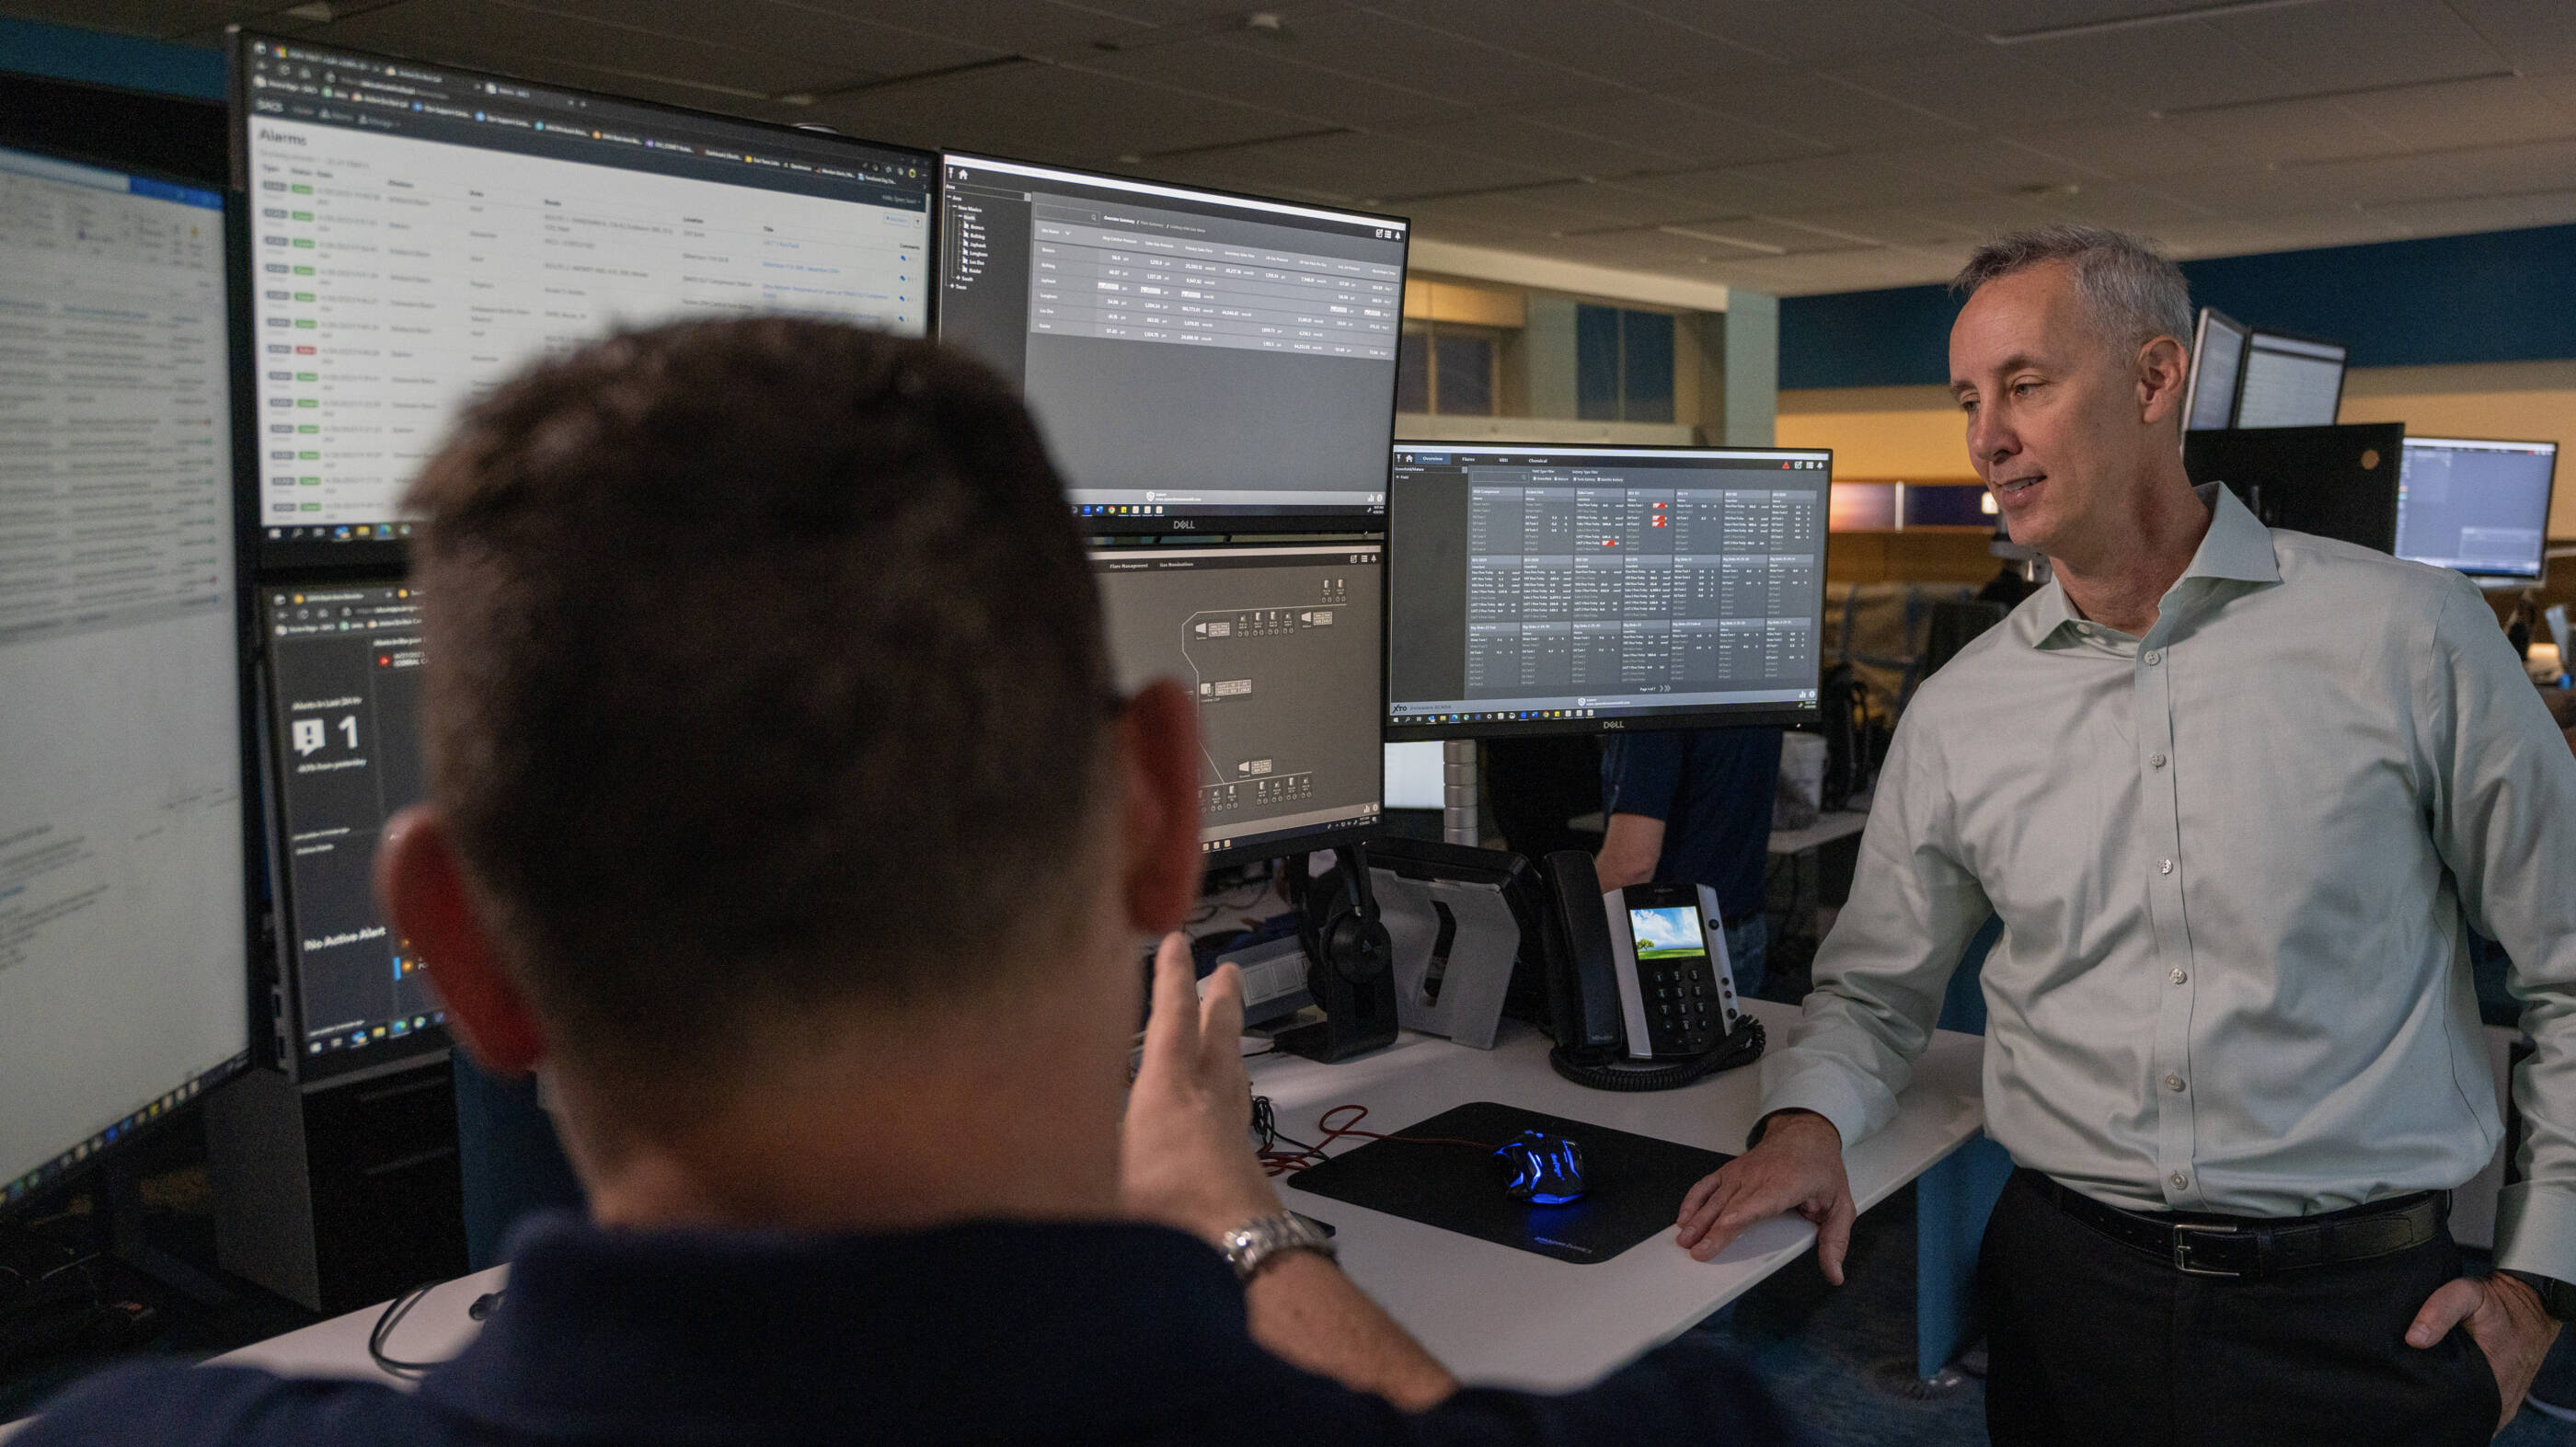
<point x="2154" y="658"/>
<point x="2179" y="976"/>
<point x="2180" y="1181"/>
<point x="2173" y="1083"/>
<point x="2156" y="760"/>
<point x="2164" y="866"/>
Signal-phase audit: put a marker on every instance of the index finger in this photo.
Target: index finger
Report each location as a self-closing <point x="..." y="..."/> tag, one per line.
<point x="1172" y="1026"/>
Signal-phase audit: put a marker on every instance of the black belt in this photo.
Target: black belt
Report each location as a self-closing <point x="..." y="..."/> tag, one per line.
<point x="2211" y="1247"/>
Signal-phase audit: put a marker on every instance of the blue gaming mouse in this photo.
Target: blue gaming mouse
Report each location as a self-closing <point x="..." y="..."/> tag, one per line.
<point x="1545" y="1170"/>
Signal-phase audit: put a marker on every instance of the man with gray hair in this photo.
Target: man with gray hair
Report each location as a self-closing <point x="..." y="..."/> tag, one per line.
<point x="2235" y="794"/>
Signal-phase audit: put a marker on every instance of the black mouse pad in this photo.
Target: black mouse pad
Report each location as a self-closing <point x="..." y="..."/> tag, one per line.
<point x="1633" y="1184"/>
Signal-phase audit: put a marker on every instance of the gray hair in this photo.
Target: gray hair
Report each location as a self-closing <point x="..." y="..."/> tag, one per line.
<point x="2133" y="292"/>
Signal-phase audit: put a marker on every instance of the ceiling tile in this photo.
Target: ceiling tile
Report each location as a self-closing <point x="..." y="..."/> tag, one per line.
<point x="1275" y="75"/>
<point x="1380" y="166"/>
<point x="1007" y="26"/>
<point x="1814" y="32"/>
<point x="2012" y="17"/>
<point x="1049" y="112"/>
<point x="2499" y="213"/>
<point x="1987" y="87"/>
<point x="2356" y="43"/>
<point x="1616" y="42"/>
<point x="1720" y="192"/>
<point x="2468" y="113"/>
<point x="823" y="40"/>
<point x="1693" y="135"/>
<point x="1380" y="47"/>
<point x="2534" y="36"/>
<point x="515" y="40"/>
<point x="1502" y="211"/>
<point x="1543" y="148"/>
<point x="2306" y="130"/>
<point x="1842" y="271"/>
<point x="2135" y="150"/>
<point x="1816" y="108"/>
<point x="2164" y="67"/>
<point x="1889" y="177"/>
<point x="1622" y="203"/>
<point x="1964" y="222"/>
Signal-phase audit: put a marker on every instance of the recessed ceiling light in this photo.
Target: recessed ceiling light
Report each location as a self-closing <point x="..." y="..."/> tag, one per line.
<point x="2049" y="188"/>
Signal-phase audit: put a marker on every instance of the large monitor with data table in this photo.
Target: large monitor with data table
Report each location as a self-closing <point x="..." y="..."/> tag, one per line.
<point x="2217" y="364"/>
<point x="2289" y="382"/>
<point x="417" y="233"/>
<point x="1282" y="648"/>
<point x="2479" y="506"/>
<point x="342" y="697"/>
<point x="1573" y="589"/>
<point x="125" y="906"/>
<point x="1199" y="361"/>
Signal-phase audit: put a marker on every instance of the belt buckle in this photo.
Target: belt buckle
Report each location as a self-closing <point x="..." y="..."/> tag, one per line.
<point x="2182" y="1244"/>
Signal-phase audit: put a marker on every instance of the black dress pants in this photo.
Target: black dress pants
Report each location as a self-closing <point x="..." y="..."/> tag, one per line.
<point x="2101" y="1344"/>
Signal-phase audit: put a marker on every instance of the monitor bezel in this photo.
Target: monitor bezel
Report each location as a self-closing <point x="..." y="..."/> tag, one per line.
<point x="2235" y="383"/>
<point x="257" y="983"/>
<point x="1214" y="527"/>
<point x="349" y="560"/>
<point x="1699" y="716"/>
<point x="2549" y="503"/>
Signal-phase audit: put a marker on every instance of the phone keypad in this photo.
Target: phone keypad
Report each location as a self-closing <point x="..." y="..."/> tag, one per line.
<point x="1687" y="1009"/>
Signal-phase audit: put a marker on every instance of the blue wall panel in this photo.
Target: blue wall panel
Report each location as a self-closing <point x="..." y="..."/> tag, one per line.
<point x="2502" y="296"/>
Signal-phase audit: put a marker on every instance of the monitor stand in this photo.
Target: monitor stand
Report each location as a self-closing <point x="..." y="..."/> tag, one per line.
<point x="1458" y="821"/>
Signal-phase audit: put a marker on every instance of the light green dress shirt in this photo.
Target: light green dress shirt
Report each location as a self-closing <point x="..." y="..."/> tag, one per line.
<point x="2233" y="860"/>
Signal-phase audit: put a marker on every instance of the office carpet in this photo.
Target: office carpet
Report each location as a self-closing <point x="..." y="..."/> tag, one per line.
<point x="1829" y="1352"/>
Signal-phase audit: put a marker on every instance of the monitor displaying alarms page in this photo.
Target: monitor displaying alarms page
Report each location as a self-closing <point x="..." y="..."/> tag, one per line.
<point x="1198" y="360"/>
<point x="124" y="925"/>
<point x="419" y="233"/>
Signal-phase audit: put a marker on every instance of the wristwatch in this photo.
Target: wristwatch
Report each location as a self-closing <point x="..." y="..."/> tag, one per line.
<point x="1264" y="1239"/>
<point x="2556" y="1297"/>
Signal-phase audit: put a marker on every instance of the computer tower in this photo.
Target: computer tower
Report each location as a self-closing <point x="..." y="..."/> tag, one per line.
<point x="2334" y="482"/>
<point x="343" y="1193"/>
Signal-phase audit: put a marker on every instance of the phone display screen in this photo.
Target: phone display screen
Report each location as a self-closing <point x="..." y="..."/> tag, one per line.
<point x="1667" y="933"/>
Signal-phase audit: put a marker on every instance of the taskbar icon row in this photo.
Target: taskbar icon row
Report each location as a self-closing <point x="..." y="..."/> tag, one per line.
<point x="1497" y="716"/>
<point x="141" y="1115"/>
<point x="365" y="1035"/>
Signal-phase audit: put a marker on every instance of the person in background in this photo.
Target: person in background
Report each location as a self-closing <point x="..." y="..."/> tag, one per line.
<point x="2238" y="795"/>
<point x="1694" y="807"/>
<point x="783" y="815"/>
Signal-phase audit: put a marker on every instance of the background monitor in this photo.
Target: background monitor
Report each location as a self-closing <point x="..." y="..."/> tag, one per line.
<point x="2217" y="362"/>
<point x="1417" y="775"/>
<point x="2289" y="382"/>
<point x="124" y="902"/>
<point x="418" y="233"/>
<point x="342" y="699"/>
<point x="2481" y="507"/>
<point x="1283" y="648"/>
<point x="1222" y="360"/>
<point x="2334" y="482"/>
<point x="1580" y="588"/>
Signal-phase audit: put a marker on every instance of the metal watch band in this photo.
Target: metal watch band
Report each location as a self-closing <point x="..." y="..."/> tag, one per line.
<point x="2556" y="1297"/>
<point x="1258" y="1242"/>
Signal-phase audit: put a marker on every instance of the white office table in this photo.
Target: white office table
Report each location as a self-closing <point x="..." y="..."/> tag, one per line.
<point x="1493" y="1314"/>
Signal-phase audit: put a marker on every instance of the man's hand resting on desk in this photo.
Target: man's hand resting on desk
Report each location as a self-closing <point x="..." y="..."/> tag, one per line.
<point x="1797" y="1166"/>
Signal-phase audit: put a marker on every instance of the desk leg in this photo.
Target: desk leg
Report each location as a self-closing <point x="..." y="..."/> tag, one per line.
<point x="1951" y="1203"/>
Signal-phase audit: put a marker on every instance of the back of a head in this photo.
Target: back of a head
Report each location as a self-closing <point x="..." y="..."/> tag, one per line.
<point x="756" y="650"/>
<point x="2131" y="291"/>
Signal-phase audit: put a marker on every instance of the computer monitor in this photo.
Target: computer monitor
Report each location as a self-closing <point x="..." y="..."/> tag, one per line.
<point x="125" y="985"/>
<point x="1199" y="361"/>
<point x="418" y="233"/>
<point x="2479" y="506"/>
<point x="2217" y="363"/>
<point x="2289" y="382"/>
<point x="1564" y="589"/>
<point x="1282" y="646"/>
<point x="341" y="695"/>
<point x="2334" y="482"/>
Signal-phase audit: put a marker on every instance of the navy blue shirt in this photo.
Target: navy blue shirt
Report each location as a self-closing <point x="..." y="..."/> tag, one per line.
<point x="1712" y="788"/>
<point x="986" y="1333"/>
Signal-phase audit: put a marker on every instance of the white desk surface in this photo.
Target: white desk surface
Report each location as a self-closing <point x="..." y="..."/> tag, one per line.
<point x="1495" y="1315"/>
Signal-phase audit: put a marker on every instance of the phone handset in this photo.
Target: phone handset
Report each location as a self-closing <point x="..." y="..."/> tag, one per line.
<point x="1641" y="994"/>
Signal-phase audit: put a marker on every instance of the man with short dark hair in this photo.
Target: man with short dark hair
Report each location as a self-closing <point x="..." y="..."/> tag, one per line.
<point x="781" y="816"/>
<point x="2236" y="794"/>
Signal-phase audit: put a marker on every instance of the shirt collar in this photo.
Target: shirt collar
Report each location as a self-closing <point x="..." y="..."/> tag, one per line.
<point x="968" y="1332"/>
<point x="2237" y="548"/>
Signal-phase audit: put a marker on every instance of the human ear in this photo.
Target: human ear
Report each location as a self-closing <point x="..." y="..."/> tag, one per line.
<point x="422" y="887"/>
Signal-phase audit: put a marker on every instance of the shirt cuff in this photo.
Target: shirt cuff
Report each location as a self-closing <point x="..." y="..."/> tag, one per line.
<point x="1824" y="1090"/>
<point x="2536" y="1231"/>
